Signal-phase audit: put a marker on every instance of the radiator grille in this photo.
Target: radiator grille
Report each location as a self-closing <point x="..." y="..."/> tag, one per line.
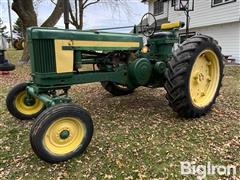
<point x="44" y="56"/>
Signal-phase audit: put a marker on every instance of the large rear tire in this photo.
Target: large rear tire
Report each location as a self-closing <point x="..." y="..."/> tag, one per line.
<point x="194" y="76"/>
<point x="18" y="44"/>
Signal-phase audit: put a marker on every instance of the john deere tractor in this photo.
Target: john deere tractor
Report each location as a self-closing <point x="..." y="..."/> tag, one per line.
<point x="191" y="74"/>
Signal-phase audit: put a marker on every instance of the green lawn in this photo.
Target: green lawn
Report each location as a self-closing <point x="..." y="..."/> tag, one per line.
<point x="136" y="136"/>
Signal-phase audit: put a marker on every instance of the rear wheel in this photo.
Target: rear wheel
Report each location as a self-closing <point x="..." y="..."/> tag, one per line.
<point x="21" y="105"/>
<point x="116" y="89"/>
<point x="22" y="44"/>
<point x="194" y="76"/>
<point x="61" y="132"/>
<point x="18" y="44"/>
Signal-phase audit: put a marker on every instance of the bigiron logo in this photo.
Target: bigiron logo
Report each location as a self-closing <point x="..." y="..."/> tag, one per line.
<point x="201" y="171"/>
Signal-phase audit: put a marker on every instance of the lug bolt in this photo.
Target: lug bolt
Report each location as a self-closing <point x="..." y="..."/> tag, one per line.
<point x="209" y="63"/>
<point x="208" y="78"/>
<point x="202" y="94"/>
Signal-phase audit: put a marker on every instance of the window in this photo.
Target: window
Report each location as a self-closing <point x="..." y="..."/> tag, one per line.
<point x="220" y="2"/>
<point x="158" y="7"/>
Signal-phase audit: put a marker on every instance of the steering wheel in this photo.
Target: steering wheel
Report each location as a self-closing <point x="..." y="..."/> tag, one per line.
<point x="148" y="24"/>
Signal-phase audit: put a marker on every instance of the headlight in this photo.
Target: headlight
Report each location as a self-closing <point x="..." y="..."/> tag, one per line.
<point x="145" y="50"/>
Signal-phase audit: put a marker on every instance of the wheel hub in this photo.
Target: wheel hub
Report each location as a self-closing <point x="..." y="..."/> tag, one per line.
<point x="204" y="78"/>
<point x="200" y="77"/>
<point x="29" y="101"/>
<point x="64" y="134"/>
<point x="27" y="105"/>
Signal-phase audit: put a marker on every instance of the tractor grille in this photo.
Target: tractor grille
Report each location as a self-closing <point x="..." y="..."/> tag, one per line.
<point x="44" y="56"/>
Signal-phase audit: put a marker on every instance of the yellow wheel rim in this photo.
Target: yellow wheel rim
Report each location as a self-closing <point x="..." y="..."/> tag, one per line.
<point x="27" y="109"/>
<point x="204" y="78"/>
<point x="23" y="44"/>
<point x="64" y="135"/>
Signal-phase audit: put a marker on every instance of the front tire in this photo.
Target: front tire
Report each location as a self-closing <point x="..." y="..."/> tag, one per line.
<point x="61" y="132"/>
<point x="194" y="76"/>
<point x="22" y="107"/>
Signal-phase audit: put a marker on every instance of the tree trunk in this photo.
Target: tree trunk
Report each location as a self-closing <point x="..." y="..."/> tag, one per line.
<point x="79" y="6"/>
<point x="80" y="26"/>
<point x="55" y="16"/>
<point x="25" y="56"/>
<point x="25" y="11"/>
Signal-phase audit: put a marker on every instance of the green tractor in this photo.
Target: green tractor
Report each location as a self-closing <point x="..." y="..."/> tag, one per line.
<point x="191" y="74"/>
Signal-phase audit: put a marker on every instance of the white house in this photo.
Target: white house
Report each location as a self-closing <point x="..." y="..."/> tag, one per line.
<point x="217" y="18"/>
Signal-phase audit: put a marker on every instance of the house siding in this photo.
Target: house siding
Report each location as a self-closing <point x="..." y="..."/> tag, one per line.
<point x="205" y="15"/>
<point x="227" y="35"/>
<point x="221" y="22"/>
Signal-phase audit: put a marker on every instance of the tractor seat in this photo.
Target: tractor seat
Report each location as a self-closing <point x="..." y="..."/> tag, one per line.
<point x="162" y="34"/>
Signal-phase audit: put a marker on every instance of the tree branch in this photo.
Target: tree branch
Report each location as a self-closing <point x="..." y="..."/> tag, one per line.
<point x="25" y="11"/>
<point x="55" y="16"/>
<point x="76" y="10"/>
<point x="52" y="1"/>
<point x="73" y="21"/>
<point x="85" y="2"/>
<point x="86" y="5"/>
<point x="71" y="13"/>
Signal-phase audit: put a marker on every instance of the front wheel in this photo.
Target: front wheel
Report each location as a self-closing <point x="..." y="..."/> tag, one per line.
<point x="61" y="132"/>
<point x="21" y="105"/>
<point x="194" y="76"/>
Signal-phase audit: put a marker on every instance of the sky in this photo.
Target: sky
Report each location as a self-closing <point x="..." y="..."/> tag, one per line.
<point x="100" y="15"/>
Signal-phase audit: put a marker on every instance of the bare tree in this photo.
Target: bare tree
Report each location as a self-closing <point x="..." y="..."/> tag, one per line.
<point x="26" y="12"/>
<point x="76" y="11"/>
<point x="78" y="7"/>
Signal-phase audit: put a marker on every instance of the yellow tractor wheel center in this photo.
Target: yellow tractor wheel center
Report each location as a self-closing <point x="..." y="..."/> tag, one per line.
<point x="204" y="78"/>
<point x="64" y="135"/>
<point x="27" y="106"/>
